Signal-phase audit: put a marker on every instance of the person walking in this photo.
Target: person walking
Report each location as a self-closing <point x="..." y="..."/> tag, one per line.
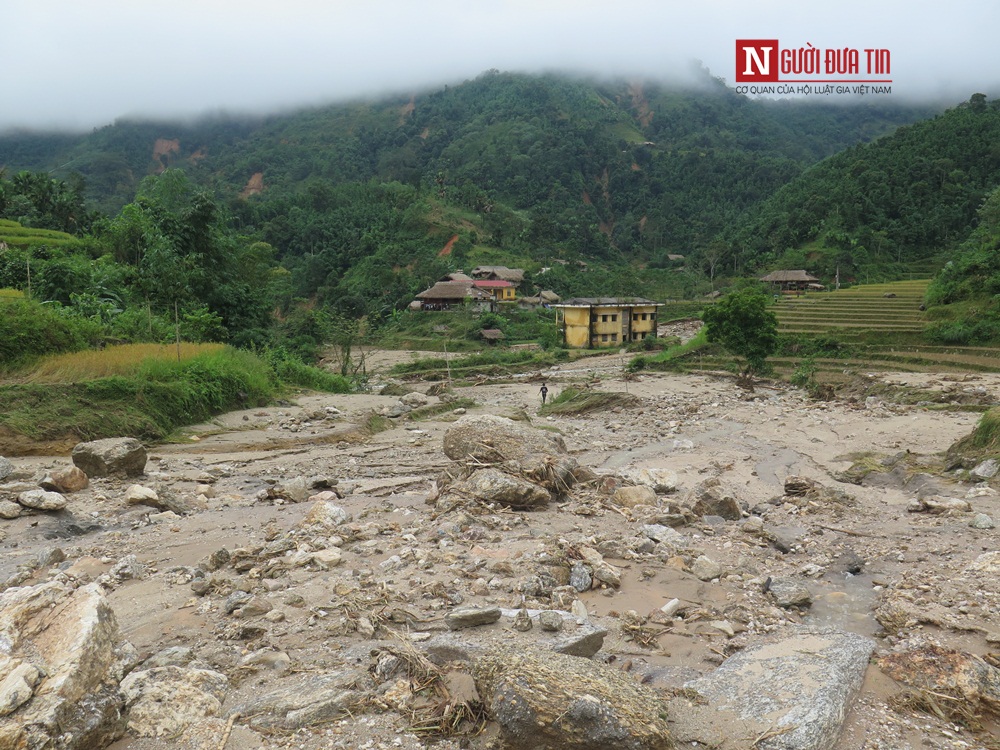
<point x="545" y="392"/>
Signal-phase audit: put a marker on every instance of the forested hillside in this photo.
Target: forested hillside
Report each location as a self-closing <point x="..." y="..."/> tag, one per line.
<point x="911" y="196"/>
<point x="277" y="230"/>
<point x="591" y="167"/>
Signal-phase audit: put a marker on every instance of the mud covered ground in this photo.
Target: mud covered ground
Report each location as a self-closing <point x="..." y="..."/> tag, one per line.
<point x="404" y="565"/>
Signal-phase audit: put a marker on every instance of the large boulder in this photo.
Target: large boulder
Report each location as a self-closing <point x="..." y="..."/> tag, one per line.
<point x="110" y="457"/>
<point x="542" y="699"/>
<point x="492" y="486"/>
<point x="491" y="439"/>
<point x="960" y="676"/>
<point x="799" y="689"/>
<point x="165" y="701"/>
<point x="60" y="665"/>
<point x="308" y="700"/>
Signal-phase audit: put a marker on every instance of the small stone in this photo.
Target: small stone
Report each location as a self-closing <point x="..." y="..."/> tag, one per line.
<point x="752" y="525"/>
<point x="6" y="468"/>
<point x="706" y="569"/>
<point x="986" y="470"/>
<point x="789" y="593"/>
<point x="235" y="600"/>
<point x="982" y="521"/>
<point x="18" y="687"/>
<point x="254" y="607"/>
<point x="522" y="621"/>
<point x="42" y="500"/>
<point x="66" y="481"/>
<point x="723" y="626"/>
<point x="580" y="577"/>
<point x="550" y="620"/>
<point x="10" y="510"/>
<point x="139" y="495"/>
<point x="663" y="535"/>
<point x="630" y="497"/>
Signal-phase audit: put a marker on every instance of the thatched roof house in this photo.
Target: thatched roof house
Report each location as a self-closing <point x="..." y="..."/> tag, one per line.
<point x="499" y="273"/>
<point x="797" y="279"/>
<point x="447" y="294"/>
<point x="492" y="335"/>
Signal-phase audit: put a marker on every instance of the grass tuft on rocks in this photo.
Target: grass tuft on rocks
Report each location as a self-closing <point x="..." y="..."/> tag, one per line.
<point x="573" y="401"/>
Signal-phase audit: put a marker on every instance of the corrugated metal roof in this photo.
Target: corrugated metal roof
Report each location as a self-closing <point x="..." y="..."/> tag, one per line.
<point x="608" y="302"/>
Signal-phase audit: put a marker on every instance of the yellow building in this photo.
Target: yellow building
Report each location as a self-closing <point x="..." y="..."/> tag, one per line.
<point x="595" y="322"/>
<point x="502" y="291"/>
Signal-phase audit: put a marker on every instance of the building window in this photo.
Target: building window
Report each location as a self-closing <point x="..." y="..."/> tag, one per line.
<point x="604" y="318"/>
<point x="593" y="318"/>
<point x="604" y="337"/>
<point x="614" y="318"/>
<point x="614" y="337"/>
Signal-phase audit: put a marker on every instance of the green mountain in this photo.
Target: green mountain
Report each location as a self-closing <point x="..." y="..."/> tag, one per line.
<point x="598" y="168"/>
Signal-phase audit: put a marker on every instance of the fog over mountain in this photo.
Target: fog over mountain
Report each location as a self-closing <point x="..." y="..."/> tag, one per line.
<point x="81" y="65"/>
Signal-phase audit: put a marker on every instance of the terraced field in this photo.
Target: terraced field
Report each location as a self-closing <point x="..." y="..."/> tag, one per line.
<point x="880" y="325"/>
<point x="892" y="307"/>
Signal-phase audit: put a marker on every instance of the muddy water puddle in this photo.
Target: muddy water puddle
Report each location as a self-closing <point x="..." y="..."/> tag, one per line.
<point x="845" y="603"/>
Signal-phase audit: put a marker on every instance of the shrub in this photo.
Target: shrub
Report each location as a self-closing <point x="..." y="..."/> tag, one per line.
<point x="29" y="330"/>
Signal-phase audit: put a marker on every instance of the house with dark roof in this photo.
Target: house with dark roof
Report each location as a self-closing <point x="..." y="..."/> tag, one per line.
<point x="499" y="273"/>
<point x="545" y="298"/>
<point x="797" y="280"/>
<point x="492" y="335"/>
<point x="449" y="295"/>
<point x="596" y="322"/>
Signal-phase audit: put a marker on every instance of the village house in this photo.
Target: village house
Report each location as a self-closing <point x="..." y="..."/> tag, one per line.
<point x="498" y="273"/>
<point x="502" y="291"/>
<point x="791" y="281"/>
<point x="455" y="276"/>
<point x="544" y="298"/>
<point x="449" y="295"/>
<point x="595" y="322"/>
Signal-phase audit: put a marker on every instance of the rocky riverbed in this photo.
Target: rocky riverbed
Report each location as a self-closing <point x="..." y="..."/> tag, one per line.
<point x="714" y="568"/>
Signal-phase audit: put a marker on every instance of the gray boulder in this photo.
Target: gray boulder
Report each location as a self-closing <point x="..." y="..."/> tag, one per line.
<point x="803" y="685"/>
<point x="544" y="700"/>
<point x="471" y="617"/>
<point x="491" y="439"/>
<point x="312" y="699"/>
<point x="110" y="457"/>
<point x="6" y="468"/>
<point x="494" y="486"/>
<point x="60" y="667"/>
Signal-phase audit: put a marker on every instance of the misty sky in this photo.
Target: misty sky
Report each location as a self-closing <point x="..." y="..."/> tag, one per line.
<point x="84" y="64"/>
